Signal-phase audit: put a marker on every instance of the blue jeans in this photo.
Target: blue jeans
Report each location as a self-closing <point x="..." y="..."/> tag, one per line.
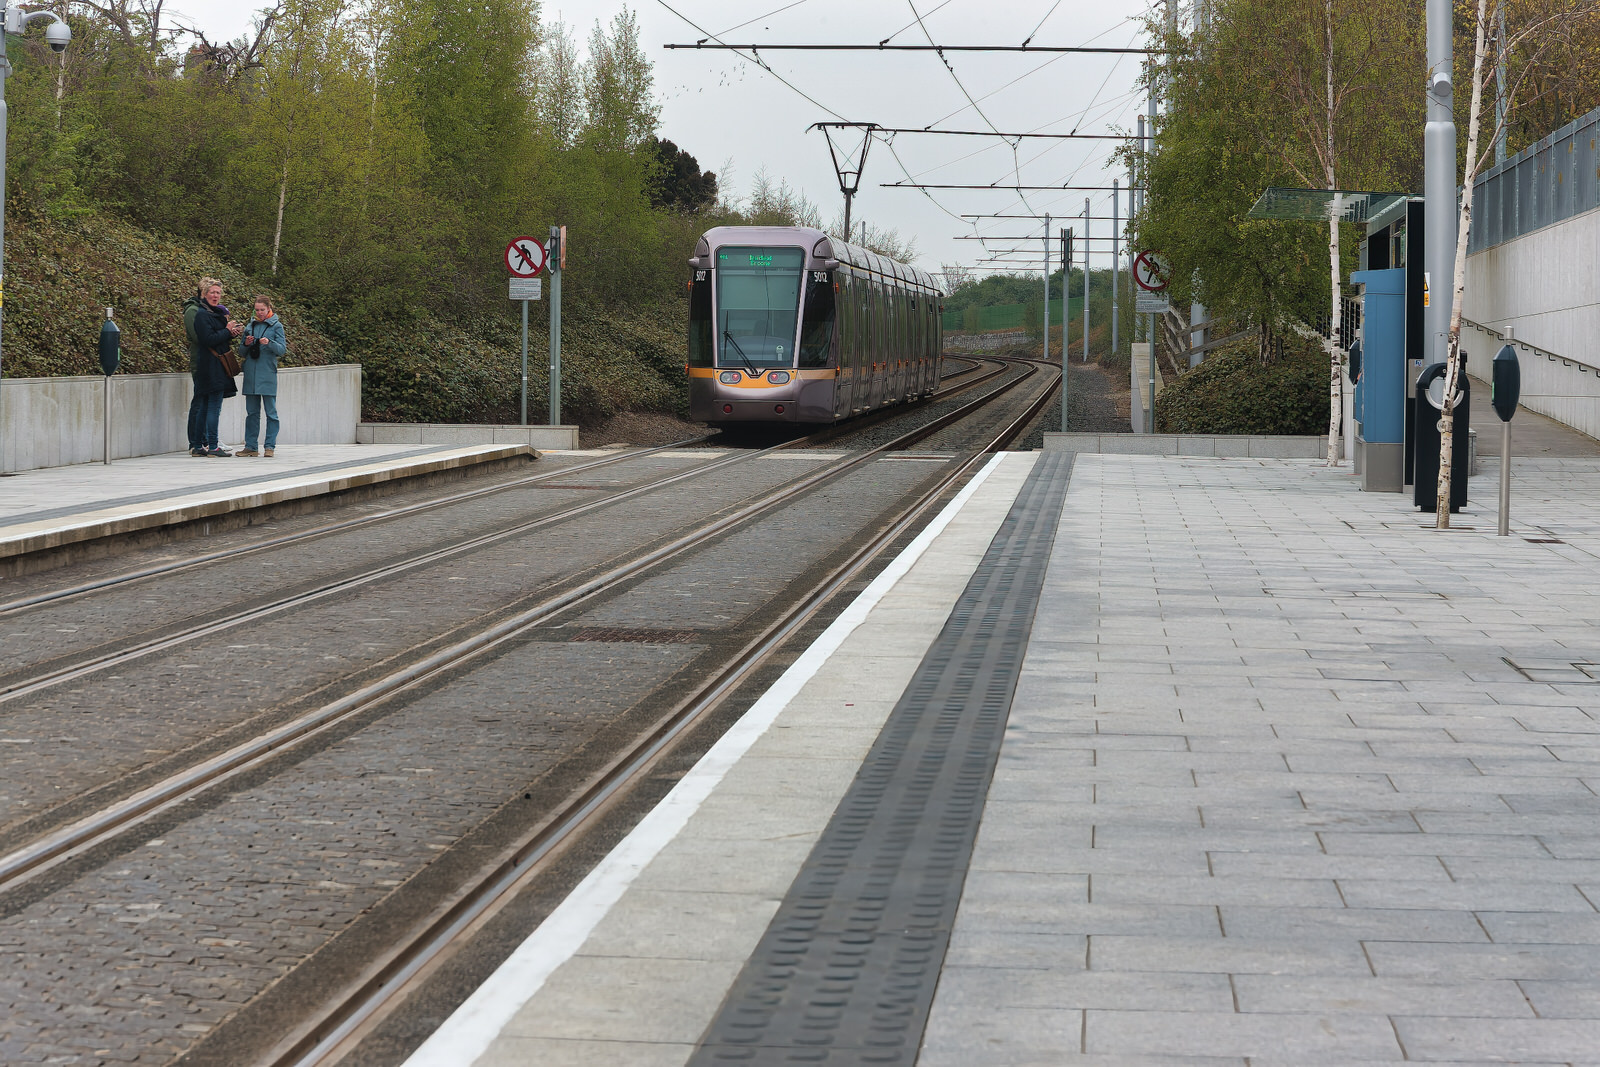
<point x="204" y="412"/>
<point x="253" y="403"/>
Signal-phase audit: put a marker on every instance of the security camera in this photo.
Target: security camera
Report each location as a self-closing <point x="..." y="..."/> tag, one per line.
<point x="58" y="35"/>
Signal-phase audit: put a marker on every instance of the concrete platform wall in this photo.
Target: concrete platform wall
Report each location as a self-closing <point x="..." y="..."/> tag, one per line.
<point x="1566" y="390"/>
<point x="53" y="422"/>
<point x="1262" y="446"/>
<point x="442" y="433"/>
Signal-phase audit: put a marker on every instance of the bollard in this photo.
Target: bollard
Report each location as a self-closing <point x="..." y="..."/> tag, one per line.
<point x="1505" y="389"/>
<point x="110" y="359"/>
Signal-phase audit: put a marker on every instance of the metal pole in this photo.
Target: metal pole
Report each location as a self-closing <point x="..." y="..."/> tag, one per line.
<point x="1116" y="227"/>
<point x="1066" y="314"/>
<point x="1439" y="179"/>
<point x="1086" y="262"/>
<point x="108" y="421"/>
<point x="554" y="260"/>
<point x="1505" y="478"/>
<point x="1500" y="86"/>
<point x="1047" y="295"/>
<point x="524" y="363"/>
<point x="847" y="199"/>
<point x="1150" y="334"/>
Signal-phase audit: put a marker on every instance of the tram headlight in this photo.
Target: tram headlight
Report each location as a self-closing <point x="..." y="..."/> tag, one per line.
<point x="778" y="377"/>
<point x="730" y="377"/>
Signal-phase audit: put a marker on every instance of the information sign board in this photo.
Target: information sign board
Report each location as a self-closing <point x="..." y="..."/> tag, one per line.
<point x="527" y="288"/>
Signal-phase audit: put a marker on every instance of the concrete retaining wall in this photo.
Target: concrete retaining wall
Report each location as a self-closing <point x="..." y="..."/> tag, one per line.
<point x="1544" y="284"/>
<point x="1172" y="444"/>
<point x="52" y="422"/>
<point x="443" y="433"/>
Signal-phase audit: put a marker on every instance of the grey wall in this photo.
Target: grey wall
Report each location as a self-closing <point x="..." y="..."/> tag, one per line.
<point x="51" y="422"/>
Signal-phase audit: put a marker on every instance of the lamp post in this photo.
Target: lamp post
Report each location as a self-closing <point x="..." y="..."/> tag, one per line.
<point x="57" y="36"/>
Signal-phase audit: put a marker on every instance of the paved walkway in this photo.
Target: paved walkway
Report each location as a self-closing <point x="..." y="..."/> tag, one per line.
<point x="1289" y="778"/>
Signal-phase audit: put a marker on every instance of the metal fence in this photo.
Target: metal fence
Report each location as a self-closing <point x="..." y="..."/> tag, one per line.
<point x="1554" y="179"/>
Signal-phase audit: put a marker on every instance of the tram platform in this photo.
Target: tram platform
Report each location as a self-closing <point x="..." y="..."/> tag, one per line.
<point x="1129" y="760"/>
<point x="53" y="511"/>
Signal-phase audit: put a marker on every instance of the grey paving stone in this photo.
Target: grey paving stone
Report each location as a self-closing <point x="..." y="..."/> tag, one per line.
<point x="1226" y="955"/>
<point x="1319" y="925"/>
<point x="1493" y="896"/>
<point x="1563" y="999"/>
<point x="1516" y="961"/>
<point x="1001" y="987"/>
<point x="1499" y="1040"/>
<point x="1305" y="1038"/>
<point x="1290" y="993"/>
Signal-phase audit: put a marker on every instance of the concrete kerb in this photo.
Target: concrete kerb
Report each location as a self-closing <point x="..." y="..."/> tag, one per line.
<point x="547" y="438"/>
<point x="30" y="547"/>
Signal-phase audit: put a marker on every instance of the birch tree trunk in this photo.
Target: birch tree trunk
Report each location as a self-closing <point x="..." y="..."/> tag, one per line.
<point x="1459" y="278"/>
<point x="1335" y="354"/>
<point x="277" y="231"/>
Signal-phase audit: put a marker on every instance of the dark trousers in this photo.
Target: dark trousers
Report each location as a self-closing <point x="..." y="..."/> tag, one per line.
<point x="205" y="411"/>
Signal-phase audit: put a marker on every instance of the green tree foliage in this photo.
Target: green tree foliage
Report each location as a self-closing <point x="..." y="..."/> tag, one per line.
<point x="680" y="183"/>
<point x="1243" y="114"/>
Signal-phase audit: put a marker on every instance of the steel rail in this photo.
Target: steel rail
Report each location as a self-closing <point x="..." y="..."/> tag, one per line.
<point x="84" y="667"/>
<point x="117" y="817"/>
<point x="321" y="531"/>
<point x="94" y="664"/>
<point x="387" y="980"/>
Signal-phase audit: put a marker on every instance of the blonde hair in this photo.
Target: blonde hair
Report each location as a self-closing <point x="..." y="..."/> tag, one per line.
<point x="207" y="282"/>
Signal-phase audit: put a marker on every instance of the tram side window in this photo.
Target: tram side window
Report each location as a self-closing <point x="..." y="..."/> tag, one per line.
<point x="700" y="348"/>
<point x="816" y="326"/>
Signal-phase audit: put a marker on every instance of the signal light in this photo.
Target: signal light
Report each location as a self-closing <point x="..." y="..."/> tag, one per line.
<point x="727" y="409"/>
<point x="778" y="408"/>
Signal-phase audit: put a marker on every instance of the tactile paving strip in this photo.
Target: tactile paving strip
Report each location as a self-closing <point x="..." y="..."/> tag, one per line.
<point x="845" y="973"/>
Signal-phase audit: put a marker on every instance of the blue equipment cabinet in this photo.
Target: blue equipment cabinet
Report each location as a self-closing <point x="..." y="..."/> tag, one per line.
<point x="1381" y="393"/>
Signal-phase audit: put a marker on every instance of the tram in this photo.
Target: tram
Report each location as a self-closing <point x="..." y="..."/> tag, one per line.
<point x="787" y="324"/>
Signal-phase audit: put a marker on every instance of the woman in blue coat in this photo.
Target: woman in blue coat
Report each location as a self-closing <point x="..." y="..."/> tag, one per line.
<point x="264" y="345"/>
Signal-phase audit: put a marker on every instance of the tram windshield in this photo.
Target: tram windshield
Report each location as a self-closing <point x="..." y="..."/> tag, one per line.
<point x="758" y="305"/>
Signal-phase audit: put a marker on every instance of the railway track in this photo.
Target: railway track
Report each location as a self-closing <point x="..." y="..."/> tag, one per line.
<point x="100" y="831"/>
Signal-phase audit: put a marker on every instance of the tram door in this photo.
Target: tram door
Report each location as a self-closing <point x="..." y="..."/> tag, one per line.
<point x="848" y="328"/>
<point x="880" y="347"/>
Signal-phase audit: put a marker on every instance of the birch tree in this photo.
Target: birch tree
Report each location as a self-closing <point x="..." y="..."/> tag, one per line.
<point x="1492" y="45"/>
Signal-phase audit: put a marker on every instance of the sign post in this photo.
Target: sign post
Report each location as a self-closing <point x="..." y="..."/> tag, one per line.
<point x="525" y="259"/>
<point x="1152" y="274"/>
<point x="110" y="359"/>
<point x="1504" y="392"/>
<point x="558" y="261"/>
<point x="1066" y="308"/>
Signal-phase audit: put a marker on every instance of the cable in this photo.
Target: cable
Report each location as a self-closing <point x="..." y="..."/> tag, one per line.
<point x="1042" y="21"/>
<point x="758" y="18"/>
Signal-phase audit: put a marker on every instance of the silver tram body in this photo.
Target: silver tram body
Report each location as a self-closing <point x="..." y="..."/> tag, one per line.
<point x="787" y="324"/>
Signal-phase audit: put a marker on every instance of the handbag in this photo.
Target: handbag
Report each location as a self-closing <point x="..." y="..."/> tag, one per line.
<point x="229" y="361"/>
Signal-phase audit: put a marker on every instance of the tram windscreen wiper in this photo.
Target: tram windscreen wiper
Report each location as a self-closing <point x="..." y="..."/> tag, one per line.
<point x="751" y="367"/>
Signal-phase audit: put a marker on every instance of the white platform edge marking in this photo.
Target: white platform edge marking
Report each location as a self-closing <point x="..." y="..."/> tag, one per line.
<point x="472" y="1028"/>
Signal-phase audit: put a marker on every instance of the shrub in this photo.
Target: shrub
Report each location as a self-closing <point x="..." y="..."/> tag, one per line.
<point x="1232" y="393"/>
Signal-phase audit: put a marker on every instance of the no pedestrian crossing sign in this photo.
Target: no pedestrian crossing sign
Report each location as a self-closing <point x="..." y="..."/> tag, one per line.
<point x="1151" y="271"/>
<point x="525" y="257"/>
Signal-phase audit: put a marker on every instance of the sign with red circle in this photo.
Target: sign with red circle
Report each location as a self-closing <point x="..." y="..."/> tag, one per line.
<point x="525" y="257"/>
<point x="1152" y="272"/>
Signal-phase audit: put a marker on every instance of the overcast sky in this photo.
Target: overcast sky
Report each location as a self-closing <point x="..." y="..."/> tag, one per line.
<point x="737" y="119"/>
